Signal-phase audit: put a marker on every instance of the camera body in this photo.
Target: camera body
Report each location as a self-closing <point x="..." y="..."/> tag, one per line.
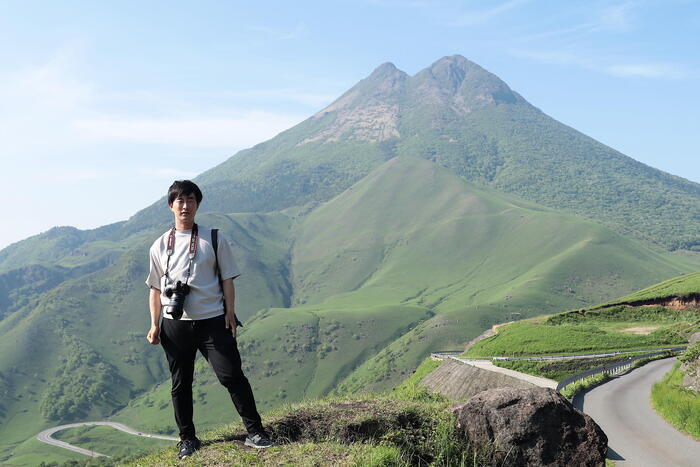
<point x="176" y="293"/>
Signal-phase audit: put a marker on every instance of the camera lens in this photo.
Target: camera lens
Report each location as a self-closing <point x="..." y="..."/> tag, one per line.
<point x="177" y="295"/>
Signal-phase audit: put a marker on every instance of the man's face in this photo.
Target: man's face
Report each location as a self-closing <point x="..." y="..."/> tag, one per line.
<point x="185" y="207"/>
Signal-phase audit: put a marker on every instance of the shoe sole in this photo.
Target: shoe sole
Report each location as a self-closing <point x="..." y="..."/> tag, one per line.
<point x="251" y="445"/>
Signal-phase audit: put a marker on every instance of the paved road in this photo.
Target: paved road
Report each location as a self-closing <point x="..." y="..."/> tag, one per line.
<point x="45" y="436"/>
<point x="638" y="436"/>
<point x="487" y="365"/>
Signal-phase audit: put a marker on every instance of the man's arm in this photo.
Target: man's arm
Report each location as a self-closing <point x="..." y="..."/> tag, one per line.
<point x="153" y="335"/>
<point x="230" y="297"/>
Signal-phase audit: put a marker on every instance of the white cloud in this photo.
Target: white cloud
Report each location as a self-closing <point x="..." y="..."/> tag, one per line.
<point x="37" y="103"/>
<point x="309" y="99"/>
<point x="245" y="130"/>
<point x="471" y="18"/>
<point x="647" y="70"/>
<point x="554" y="57"/>
<point x="61" y="133"/>
<point x="617" y="17"/>
<point x="622" y="70"/>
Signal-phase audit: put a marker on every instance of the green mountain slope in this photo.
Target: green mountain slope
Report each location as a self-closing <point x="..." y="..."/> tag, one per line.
<point x="77" y="351"/>
<point x="687" y="285"/>
<point x="641" y="320"/>
<point x="398" y="220"/>
<point x="464" y="118"/>
<point x="425" y="265"/>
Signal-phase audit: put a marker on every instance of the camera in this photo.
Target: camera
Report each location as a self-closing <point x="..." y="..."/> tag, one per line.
<point x="176" y="293"/>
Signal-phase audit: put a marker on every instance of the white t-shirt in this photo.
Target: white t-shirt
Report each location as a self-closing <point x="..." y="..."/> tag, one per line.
<point x="205" y="299"/>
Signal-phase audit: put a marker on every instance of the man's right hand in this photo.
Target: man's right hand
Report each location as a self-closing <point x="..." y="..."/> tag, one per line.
<point x="153" y="335"/>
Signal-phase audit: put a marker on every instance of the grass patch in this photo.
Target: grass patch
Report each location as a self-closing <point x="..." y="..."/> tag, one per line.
<point x="576" y="332"/>
<point x="681" y="286"/>
<point x="679" y="406"/>
<point x="411" y="389"/>
<point x="574" y="388"/>
<point x="560" y="369"/>
<point x="108" y="441"/>
<point x="375" y="430"/>
<point x="308" y="454"/>
<point x="34" y="452"/>
<point x="623" y="314"/>
<point x="691" y="353"/>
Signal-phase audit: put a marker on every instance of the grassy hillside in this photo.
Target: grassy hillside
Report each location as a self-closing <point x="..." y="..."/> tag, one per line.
<point x="602" y="328"/>
<point x="462" y="117"/>
<point x="374" y="279"/>
<point x="682" y="286"/>
<point x="679" y="405"/>
<point x="407" y="427"/>
<point x="587" y="335"/>
<point x="365" y="316"/>
<point x="78" y="350"/>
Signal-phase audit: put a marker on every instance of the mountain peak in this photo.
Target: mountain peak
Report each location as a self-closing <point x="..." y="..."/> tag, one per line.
<point x="385" y="69"/>
<point x="466" y="82"/>
<point x="453" y="63"/>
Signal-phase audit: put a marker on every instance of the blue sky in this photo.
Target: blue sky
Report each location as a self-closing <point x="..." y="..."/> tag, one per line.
<point x="103" y="104"/>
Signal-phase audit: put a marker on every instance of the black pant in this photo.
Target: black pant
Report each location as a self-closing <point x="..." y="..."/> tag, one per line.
<point x="180" y="340"/>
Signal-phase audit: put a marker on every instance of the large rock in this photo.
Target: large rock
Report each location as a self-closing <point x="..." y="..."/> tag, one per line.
<point x="535" y="426"/>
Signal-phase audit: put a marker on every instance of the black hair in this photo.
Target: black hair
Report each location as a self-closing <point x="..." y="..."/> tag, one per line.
<point x="183" y="188"/>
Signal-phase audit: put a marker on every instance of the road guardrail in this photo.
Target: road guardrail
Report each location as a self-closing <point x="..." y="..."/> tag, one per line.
<point x="615" y="368"/>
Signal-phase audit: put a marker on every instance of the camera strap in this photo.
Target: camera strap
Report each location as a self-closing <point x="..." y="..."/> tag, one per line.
<point x="194" y="236"/>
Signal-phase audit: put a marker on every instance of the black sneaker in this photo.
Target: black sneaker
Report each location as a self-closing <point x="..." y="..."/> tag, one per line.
<point x="187" y="447"/>
<point x="258" y="441"/>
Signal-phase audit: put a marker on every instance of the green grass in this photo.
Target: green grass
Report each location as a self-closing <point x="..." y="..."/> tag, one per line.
<point x="574" y="388"/>
<point x="308" y="454"/>
<point x="682" y="286"/>
<point x="358" y="431"/>
<point x="32" y="452"/>
<point x="531" y="339"/>
<point x="691" y="353"/>
<point x="111" y="442"/>
<point x="343" y="297"/>
<point x="560" y="369"/>
<point x="679" y="406"/>
<point x="411" y="388"/>
<point x="363" y="317"/>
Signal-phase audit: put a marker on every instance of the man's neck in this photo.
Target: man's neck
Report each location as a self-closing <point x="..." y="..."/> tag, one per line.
<point x="182" y="225"/>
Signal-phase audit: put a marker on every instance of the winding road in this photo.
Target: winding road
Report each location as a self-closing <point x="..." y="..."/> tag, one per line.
<point x="45" y="436"/>
<point x="638" y="436"/>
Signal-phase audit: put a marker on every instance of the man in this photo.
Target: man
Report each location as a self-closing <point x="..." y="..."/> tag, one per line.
<point x="197" y="307"/>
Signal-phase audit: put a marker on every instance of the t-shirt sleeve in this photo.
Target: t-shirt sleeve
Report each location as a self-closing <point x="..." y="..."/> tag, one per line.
<point x="155" y="270"/>
<point x="227" y="264"/>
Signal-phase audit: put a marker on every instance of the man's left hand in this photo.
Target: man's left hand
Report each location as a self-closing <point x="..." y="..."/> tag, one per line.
<point x="230" y="320"/>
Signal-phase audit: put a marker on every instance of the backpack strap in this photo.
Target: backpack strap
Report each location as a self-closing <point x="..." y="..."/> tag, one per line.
<point x="215" y="244"/>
